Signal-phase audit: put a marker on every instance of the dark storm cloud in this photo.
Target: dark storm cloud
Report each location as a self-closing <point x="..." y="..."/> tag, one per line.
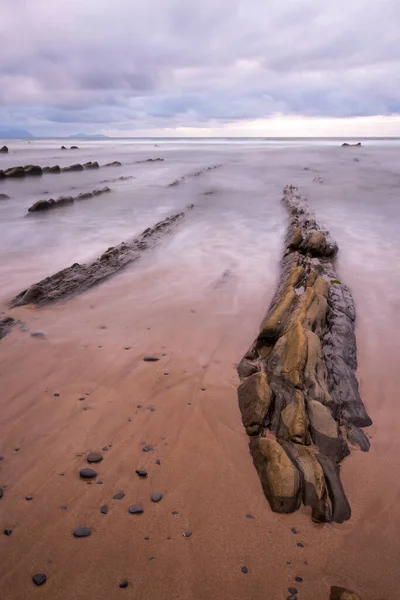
<point x="131" y="64"/>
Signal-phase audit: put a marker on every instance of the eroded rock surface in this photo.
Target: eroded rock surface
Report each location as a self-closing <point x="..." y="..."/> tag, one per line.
<point x="44" y="205"/>
<point x="299" y="395"/>
<point x="6" y="324"/>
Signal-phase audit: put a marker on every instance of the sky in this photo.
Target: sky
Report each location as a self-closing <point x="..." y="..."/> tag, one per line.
<point x="201" y="67"/>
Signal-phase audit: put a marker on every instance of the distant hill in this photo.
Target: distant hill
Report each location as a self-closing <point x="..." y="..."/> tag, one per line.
<point x="94" y="136"/>
<point x="14" y="133"/>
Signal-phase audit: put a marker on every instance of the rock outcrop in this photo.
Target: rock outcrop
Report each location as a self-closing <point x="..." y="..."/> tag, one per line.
<point x="27" y="170"/>
<point x="299" y="394"/>
<point x="44" y="205"/>
<point x="79" y="278"/>
<point x="4" y="149"/>
<point x="6" y="324"/>
<point x="195" y="174"/>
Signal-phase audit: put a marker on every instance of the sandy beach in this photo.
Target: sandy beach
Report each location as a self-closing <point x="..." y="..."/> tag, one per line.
<point x="195" y="302"/>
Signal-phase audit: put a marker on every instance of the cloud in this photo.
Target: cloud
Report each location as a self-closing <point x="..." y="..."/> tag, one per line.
<point x="127" y="64"/>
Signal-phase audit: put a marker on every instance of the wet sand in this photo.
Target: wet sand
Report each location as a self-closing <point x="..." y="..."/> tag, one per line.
<point x="202" y="325"/>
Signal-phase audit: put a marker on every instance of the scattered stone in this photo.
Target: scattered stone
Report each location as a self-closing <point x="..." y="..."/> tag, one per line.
<point x="87" y="473"/>
<point x="39" y="578"/>
<point x="64" y="507"/>
<point x="116" y="163"/>
<point x="17" y="449"/>
<point x="29" y="498"/>
<point x="74" y="148"/>
<point x="156" y="496"/>
<point x="119" y="496"/>
<point x="135" y="509"/>
<point x="292" y="590"/>
<point x="94" y="457"/>
<point x="82" y="399"/>
<point x="147" y="449"/>
<point x="63" y="148"/>
<point x="1" y="492"/>
<point x="141" y="472"/>
<point x="169" y="537"/>
<point x="292" y="597"/>
<point x="37" y="334"/>
<point x="7" y="531"/>
<point x="139" y="406"/>
<point x="187" y="534"/>
<point x="203" y="389"/>
<point x="244" y="569"/>
<point x="105" y="449"/>
<point x="298" y="579"/>
<point x="174" y="512"/>
<point x="82" y="532"/>
<point x="99" y="482"/>
<point x="300" y="545"/>
<point x="150" y="359"/>
<point x="294" y="530"/>
<point x="124" y="583"/>
<point x="87" y="408"/>
<point x="1" y="457"/>
<point x="147" y="538"/>
<point x="56" y="394"/>
<point x="4" y="149"/>
<point x="249" y="516"/>
<point x="152" y="558"/>
<point x="158" y="462"/>
<point x="129" y="419"/>
<point x="104" y="509"/>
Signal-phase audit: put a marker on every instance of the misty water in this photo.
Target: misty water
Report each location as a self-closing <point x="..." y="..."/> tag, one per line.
<point x="233" y="232"/>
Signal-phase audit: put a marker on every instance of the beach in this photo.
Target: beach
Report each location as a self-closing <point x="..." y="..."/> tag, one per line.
<point x="194" y="301"/>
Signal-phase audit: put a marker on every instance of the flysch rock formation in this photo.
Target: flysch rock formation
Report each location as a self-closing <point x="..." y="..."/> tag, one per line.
<point x="16" y="172"/>
<point x="299" y="396"/>
<point x="195" y="174"/>
<point x="79" y="278"/>
<point x="6" y="324"/>
<point x="45" y="205"/>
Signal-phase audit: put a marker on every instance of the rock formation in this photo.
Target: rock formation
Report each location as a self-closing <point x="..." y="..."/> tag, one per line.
<point x="299" y="395"/>
<point x="78" y="278"/>
<point x="44" y="205"/>
<point x="20" y="171"/>
<point x="6" y="324"/>
<point x="4" y="149"/>
<point x="195" y="174"/>
<point x="346" y="145"/>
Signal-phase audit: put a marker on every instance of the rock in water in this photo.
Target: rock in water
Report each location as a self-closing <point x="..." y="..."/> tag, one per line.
<point x="87" y="473"/>
<point x="82" y="532"/>
<point x="4" y="197"/>
<point x="63" y="148"/>
<point x="39" y="578"/>
<point x="4" y="149"/>
<point x="94" y="457"/>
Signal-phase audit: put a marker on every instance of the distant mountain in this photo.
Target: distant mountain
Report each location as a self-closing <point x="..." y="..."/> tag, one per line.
<point x="14" y="133"/>
<point x="94" y="136"/>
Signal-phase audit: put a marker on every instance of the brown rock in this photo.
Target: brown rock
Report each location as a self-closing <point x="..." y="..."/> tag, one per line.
<point x="288" y="357"/>
<point x="293" y="426"/>
<point x="338" y="593"/>
<point x="341" y="510"/>
<point x="325" y="431"/>
<point x="315" y="374"/>
<point x="275" y="323"/>
<point x="254" y="400"/>
<point x="246" y="368"/>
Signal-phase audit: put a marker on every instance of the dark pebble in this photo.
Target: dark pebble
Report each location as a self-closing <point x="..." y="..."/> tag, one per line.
<point x="166" y="373"/>
<point x="139" y="406"/>
<point x="158" y="461"/>
<point x="189" y="403"/>
<point x="249" y="516"/>
<point x="94" y="457"/>
<point x="152" y="558"/>
<point x="147" y="449"/>
<point x="82" y="532"/>
<point x="292" y="590"/>
<point x="29" y="498"/>
<point x="99" y="482"/>
<point x="244" y="570"/>
<point x="300" y="545"/>
<point x="38" y="334"/>
<point x="39" y="579"/>
<point x="119" y="496"/>
<point x="141" y="472"/>
<point x="7" y="531"/>
<point x="104" y="509"/>
<point x="168" y="537"/>
<point x="292" y="597"/>
<point x="1" y="492"/>
<point x="203" y="389"/>
<point x="87" y="473"/>
<point x="17" y="449"/>
<point x="63" y="507"/>
<point x="135" y="509"/>
<point x="87" y="393"/>
<point x="105" y="449"/>
<point x="128" y="347"/>
<point x="151" y="408"/>
<point x="87" y="408"/>
<point x="156" y="496"/>
<point x="56" y="394"/>
<point x="174" y="512"/>
<point x="81" y="399"/>
<point x="187" y="534"/>
<point x="294" y="530"/>
<point x="124" y="583"/>
<point x="147" y="538"/>
<point x="298" y="579"/>
<point x="288" y="562"/>
<point x="129" y="419"/>
<point x="163" y="355"/>
<point x="1" y="457"/>
<point x="150" y="359"/>
<point x="49" y="562"/>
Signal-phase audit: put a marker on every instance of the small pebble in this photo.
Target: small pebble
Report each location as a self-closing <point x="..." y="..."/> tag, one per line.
<point x="104" y="509"/>
<point x="82" y="532"/>
<point x="119" y="496"/>
<point x="147" y="449"/>
<point x="189" y="403"/>
<point x="244" y="570"/>
<point x="158" y="461"/>
<point x="203" y="389"/>
<point x="135" y="509"/>
<point x="166" y="373"/>
<point x="174" y="512"/>
<point x="39" y="579"/>
<point x="168" y="537"/>
<point x="1" y="457"/>
<point x="288" y="562"/>
<point x="156" y="496"/>
<point x="128" y="347"/>
<point x="49" y="562"/>
<point x="56" y="394"/>
<point x="152" y="558"/>
<point x="129" y="419"/>
<point x="99" y="482"/>
<point x="292" y="590"/>
<point x="105" y="449"/>
<point x="187" y="534"/>
<point x="7" y="531"/>
<point x="249" y="516"/>
<point x="147" y="538"/>
<point x="94" y="457"/>
<point x="292" y="597"/>
<point x="87" y="408"/>
<point x="123" y="583"/>
<point x="1" y="492"/>
<point x="151" y="408"/>
<point x="64" y="507"/>
<point x="300" y="545"/>
<point x="294" y="530"/>
<point x="150" y="359"/>
<point x="29" y="498"/>
<point x="298" y="579"/>
<point x="17" y="449"/>
<point x="139" y="406"/>
<point x="87" y="393"/>
<point x="37" y="334"/>
<point x="81" y="399"/>
<point x="87" y="473"/>
<point x="141" y="472"/>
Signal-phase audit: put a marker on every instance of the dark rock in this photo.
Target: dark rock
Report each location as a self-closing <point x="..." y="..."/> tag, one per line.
<point x="156" y="496"/>
<point x="15" y="172"/>
<point x="87" y="473"/>
<point x="158" y="462"/>
<point x="104" y="509"/>
<point x="74" y="148"/>
<point x="94" y="457"/>
<point x="298" y="579"/>
<point x="64" y="507"/>
<point x="294" y="530"/>
<point x="147" y="538"/>
<point x="244" y="569"/>
<point x="82" y="532"/>
<point x="292" y="590"/>
<point x="300" y="545"/>
<point x="341" y="510"/>
<point x="6" y="325"/>
<point x="124" y="583"/>
<point x="99" y="482"/>
<point x="63" y="148"/>
<point x="105" y="448"/>
<point x="4" y="197"/>
<point x="81" y="400"/>
<point x="75" y="167"/>
<point x="292" y="597"/>
<point x="119" y="496"/>
<point x="29" y="498"/>
<point x="7" y="531"/>
<point x="91" y="165"/>
<point x="147" y="449"/>
<point x="135" y="509"/>
<point x="39" y="578"/>
<point x="1" y="457"/>
<point x="1" y="492"/>
<point x="150" y="359"/>
<point x="249" y="516"/>
<point x="38" y="334"/>
<point x="56" y="394"/>
<point x="203" y="389"/>
<point x="187" y="534"/>
<point x="53" y="169"/>
<point x="141" y="472"/>
<point x="17" y="449"/>
<point x="4" y="149"/>
<point x="174" y="512"/>
<point x="116" y="163"/>
<point x="33" y="170"/>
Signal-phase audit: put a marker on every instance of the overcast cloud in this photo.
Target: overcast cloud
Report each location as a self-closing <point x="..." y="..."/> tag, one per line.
<point x="133" y="65"/>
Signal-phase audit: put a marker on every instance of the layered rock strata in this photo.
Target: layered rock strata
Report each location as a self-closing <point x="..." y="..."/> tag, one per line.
<point x="45" y="205"/>
<point x="299" y="395"/>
